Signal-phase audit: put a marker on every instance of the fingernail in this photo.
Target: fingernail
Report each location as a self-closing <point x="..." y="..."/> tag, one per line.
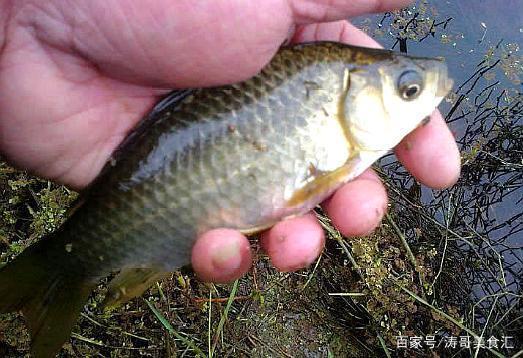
<point x="227" y="257"/>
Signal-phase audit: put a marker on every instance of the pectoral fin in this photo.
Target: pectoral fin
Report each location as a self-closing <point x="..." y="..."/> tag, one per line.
<point x="324" y="184"/>
<point x="130" y="283"/>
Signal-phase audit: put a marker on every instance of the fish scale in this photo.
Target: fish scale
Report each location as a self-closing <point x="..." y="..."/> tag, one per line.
<point x="241" y="156"/>
<point x="186" y="172"/>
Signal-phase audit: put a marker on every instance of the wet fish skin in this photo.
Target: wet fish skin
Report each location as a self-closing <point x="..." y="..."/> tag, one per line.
<point x="242" y="156"/>
<point x="223" y="158"/>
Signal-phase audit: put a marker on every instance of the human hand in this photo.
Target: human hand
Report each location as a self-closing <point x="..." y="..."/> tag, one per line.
<point x="75" y="78"/>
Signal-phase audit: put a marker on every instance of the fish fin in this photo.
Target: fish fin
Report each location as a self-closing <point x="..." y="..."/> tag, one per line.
<point x="49" y="298"/>
<point x="321" y="184"/>
<point x="130" y="283"/>
<point x="256" y="229"/>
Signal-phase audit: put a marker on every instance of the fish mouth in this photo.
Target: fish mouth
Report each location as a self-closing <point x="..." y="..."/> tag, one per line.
<point x="445" y="83"/>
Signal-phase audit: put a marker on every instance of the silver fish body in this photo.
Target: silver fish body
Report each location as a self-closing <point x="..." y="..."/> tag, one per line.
<point x="241" y="156"/>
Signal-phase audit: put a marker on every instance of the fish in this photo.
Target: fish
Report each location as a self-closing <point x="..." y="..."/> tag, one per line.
<point x="241" y="156"/>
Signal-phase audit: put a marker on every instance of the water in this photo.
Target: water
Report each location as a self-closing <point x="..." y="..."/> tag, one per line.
<point x="477" y="226"/>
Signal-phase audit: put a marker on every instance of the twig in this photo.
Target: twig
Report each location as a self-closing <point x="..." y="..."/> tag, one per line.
<point x="209" y="327"/>
<point x="101" y="344"/>
<point x="410" y="255"/>
<point x="221" y="299"/>
<point x="383" y="345"/>
<point x="223" y="317"/>
<point x="312" y="273"/>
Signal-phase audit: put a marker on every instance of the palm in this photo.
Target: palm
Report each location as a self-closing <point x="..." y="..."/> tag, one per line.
<point x="69" y="142"/>
<point x="62" y="110"/>
<point x="66" y="97"/>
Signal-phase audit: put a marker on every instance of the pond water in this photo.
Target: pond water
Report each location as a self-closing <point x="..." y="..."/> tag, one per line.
<point x="478" y="224"/>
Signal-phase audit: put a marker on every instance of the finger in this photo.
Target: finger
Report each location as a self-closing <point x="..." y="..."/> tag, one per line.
<point x="357" y="208"/>
<point x="294" y="243"/>
<point x="306" y="11"/>
<point x="171" y="43"/>
<point x="221" y="255"/>
<point x="340" y="31"/>
<point x="430" y="153"/>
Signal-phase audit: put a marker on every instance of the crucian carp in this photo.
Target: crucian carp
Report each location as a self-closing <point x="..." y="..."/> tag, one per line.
<point x="241" y="156"/>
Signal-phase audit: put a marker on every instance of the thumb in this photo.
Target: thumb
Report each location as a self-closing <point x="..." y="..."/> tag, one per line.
<point x="169" y="43"/>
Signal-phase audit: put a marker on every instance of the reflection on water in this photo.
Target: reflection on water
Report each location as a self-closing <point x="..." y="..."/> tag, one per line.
<point x="476" y="226"/>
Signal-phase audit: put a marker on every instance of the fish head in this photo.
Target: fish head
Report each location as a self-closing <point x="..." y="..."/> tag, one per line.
<point x="389" y="98"/>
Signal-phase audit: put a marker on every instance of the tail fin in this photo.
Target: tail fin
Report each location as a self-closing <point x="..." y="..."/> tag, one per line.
<point x="49" y="297"/>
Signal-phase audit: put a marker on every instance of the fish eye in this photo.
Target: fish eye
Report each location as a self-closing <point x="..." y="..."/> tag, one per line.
<point x="410" y="85"/>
